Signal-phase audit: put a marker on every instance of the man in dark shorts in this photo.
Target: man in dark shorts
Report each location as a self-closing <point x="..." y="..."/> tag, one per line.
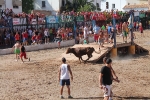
<point x="64" y="77"/>
<point x="23" y="53"/>
<point x="105" y="80"/>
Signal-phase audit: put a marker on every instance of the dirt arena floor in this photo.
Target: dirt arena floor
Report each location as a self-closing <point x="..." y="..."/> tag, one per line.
<point x="38" y="79"/>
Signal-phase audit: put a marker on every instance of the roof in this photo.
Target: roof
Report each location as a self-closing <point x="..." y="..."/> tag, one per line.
<point x="136" y="6"/>
<point x="17" y="2"/>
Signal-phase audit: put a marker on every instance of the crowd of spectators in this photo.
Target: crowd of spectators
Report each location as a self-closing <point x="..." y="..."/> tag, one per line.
<point x="32" y="35"/>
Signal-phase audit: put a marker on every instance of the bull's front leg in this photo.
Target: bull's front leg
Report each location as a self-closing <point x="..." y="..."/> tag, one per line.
<point x="79" y="59"/>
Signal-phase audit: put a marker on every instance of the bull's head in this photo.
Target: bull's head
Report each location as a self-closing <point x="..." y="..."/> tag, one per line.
<point x="69" y="50"/>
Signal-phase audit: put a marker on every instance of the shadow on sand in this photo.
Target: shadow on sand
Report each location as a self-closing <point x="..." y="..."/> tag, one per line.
<point x="117" y="97"/>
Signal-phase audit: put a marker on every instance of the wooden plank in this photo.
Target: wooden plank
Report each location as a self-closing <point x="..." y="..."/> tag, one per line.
<point x="123" y="45"/>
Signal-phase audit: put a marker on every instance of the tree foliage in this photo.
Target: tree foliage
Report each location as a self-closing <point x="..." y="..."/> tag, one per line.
<point x="27" y="6"/>
<point x="79" y="5"/>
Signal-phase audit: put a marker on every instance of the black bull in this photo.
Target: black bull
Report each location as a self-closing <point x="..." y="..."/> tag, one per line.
<point x="80" y="51"/>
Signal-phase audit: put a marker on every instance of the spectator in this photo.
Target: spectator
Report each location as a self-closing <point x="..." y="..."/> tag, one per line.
<point x="17" y="37"/>
<point x="25" y="38"/>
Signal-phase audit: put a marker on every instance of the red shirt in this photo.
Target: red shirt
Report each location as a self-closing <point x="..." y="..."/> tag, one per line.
<point x="17" y="37"/>
<point x="25" y="35"/>
<point x="33" y="38"/>
<point x="141" y="28"/>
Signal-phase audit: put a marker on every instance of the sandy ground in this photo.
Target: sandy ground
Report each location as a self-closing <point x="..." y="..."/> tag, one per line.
<point x="38" y="79"/>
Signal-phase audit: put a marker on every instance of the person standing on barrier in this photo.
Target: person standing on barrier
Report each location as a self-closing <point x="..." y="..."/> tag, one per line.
<point x="64" y="77"/>
<point x="86" y="30"/>
<point x="124" y="27"/>
<point x="96" y="30"/>
<point x="105" y="80"/>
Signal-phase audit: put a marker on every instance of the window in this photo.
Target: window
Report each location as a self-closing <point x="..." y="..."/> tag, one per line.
<point x="43" y="4"/>
<point x="107" y="5"/>
<point x="113" y="6"/>
<point x="97" y="5"/>
<point x="63" y="2"/>
<point x="16" y="7"/>
<point x="0" y="6"/>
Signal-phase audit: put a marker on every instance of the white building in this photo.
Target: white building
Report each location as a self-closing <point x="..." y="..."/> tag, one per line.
<point x="15" y="5"/>
<point x="55" y="5"/>
<point x="48" y="5"/>
<point x="120" y="4"/>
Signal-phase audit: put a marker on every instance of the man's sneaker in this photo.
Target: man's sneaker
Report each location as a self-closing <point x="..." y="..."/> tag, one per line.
<point x="61" y="97"/>
<point x="70" y="97"/>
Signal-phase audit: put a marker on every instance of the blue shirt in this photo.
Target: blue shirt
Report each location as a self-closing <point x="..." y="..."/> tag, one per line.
<point x="109" y="29"/>
<point x="96" y="29"/>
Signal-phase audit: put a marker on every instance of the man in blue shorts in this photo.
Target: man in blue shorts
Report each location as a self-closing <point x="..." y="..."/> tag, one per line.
<point x="64" y="77"/>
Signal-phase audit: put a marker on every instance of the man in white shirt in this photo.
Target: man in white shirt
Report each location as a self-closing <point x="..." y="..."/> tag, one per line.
<point x="46" y="36"/>
<point x="86" y="33"/>
<point x="64" y="77"/>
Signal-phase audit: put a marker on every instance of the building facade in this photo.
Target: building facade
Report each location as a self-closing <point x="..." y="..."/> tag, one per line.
<point x="55" y="5"/>
<point x="120" y="4"/>
<point x="15" y="5"/>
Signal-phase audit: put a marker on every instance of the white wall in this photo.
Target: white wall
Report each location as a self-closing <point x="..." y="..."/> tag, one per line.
<point x="44" y="46"/>
<point x="51" y="5"/>
<point x="119" y="4"/>
<point x="10" y="6"/>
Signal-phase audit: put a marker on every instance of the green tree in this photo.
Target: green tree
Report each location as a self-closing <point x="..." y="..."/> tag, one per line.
<point x="78" y="5"/>
<point x="27" y="6"/>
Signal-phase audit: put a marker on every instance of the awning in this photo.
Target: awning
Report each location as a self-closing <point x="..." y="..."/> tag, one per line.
<point x="2" y="2"/>
<point x="17" y="2"/>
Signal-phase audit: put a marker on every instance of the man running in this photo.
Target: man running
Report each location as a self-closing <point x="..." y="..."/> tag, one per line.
<point x="64" y="78"/>
<point x="105" y="80"/>
<point x="16" y="49"/>
<point x="23" y="53"/>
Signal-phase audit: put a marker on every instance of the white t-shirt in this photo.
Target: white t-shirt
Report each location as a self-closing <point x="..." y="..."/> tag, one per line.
<point x="45" y="33"/>
<point x="64" y="72"/>
<point x="85" y="32"/>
